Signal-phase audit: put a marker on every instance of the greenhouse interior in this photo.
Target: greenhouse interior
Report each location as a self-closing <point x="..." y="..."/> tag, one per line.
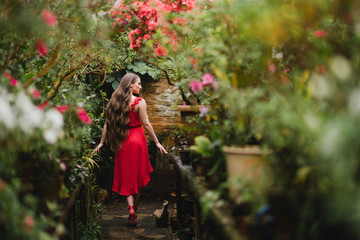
<point x="179" y="119"/>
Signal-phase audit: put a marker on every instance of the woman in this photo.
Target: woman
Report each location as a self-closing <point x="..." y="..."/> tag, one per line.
<point x="125" y="114"/>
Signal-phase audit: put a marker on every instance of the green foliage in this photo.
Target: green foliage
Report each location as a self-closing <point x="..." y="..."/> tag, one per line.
<point x="203" y="146"/>
<point x="138" y="67"/>
<point x="47" y="152"/>
<point x="144" y="68"/>
<point x="92" y="232"/>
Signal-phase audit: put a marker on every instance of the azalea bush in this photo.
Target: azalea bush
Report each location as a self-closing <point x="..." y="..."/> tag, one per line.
<point x="37" y="149"/>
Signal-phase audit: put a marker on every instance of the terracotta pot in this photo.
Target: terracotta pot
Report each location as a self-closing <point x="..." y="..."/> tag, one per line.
<point x="242" y="163"/>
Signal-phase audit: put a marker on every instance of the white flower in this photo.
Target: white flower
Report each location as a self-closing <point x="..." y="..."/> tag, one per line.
<point x="311" y="121"/>
<point x="52" y="126"/>
<point x="50" y="136"/>
<point x="30" y="117"/>
<point x="53" y="119"/>
<point x="341" y="67"/>
<point x="354" y="102"/>
<point x="330" y="140"/>
<point x="6" y="113"/>
<point x="319" y="87"/>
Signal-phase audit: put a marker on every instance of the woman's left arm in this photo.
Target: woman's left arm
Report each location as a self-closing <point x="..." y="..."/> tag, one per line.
<point x="147" y="125"/>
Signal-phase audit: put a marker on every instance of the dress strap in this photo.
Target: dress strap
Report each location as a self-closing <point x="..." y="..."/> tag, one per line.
<point x="136" y="101"/>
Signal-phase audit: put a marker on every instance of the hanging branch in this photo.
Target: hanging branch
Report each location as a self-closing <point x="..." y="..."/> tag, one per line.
<point x="54" y="58"/>
<point x="71" y="73"/>
<point x="100" y="84"/>
<point x="160" y="68"/>
<point x="184" y="98"/>
<point x="76" y="75"/>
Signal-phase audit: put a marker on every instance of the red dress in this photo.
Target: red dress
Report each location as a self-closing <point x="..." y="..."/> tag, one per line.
<point x="132" y="165"/>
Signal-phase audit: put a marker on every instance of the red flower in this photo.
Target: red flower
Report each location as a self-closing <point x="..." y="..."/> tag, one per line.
<point x="7" y="75"/>
<point x="180" y="21"/>
<point x="41" y="47"/>
<point x="62" y="108"/>
<point x="319" y="33"/>
<point x="83" y="116"/>
<point x="160" y="51"/>
<point x="43" y="105"/>
<point x="49" y="18"/>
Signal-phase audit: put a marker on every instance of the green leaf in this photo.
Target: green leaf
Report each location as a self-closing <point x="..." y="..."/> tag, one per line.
<point x="110" y="79"/>
<point x="115" y="84"/>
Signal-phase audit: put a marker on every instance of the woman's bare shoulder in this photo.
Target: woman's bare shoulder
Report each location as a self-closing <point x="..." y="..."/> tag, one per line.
<point x="142" y="102"/>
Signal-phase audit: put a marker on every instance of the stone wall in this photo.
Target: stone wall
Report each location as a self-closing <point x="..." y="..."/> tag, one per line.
<point x="161" y="100"/>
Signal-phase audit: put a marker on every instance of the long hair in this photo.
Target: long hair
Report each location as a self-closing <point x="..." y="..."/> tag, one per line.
<point x="117" y="112"/>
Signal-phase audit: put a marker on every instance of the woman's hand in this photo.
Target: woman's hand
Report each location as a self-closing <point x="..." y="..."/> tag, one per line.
<point x="161" y="148"/>
<point x="97" y="149"/>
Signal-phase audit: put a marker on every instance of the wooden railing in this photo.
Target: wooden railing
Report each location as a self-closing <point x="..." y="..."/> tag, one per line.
<point x="219" y="216"/>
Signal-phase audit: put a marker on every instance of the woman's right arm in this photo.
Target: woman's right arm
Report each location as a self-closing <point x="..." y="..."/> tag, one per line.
<point x="103" y="136"/>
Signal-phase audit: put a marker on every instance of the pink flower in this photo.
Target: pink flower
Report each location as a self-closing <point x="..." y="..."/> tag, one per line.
<point x="146" y="36"/>
<point x="62" y="166"/>
<point x="271" y="67"/>
<point x="196" y="86"/>
<point x="207" y="79"/>
<point x="319" y="33"/>
<point x="41" y="47"/>
<point x="83" y="116"/>
<point x="13" y="82"/>
<point x="286" y="70"/>
<point x="62" y="108"/>
<point x="203" y="111"/>
<point x="43" y="105"/>
<point x="180" y="21"/>
<point x="29" y="221"/>
<point x="49" y="18"/>
<point x="36" y="94"/>
<point x="152" y="25"/>
<point x="160" y="51"/>
<point x="137" y="31"/>
<point x="7" y="75"/>
<point x="185" y="103"/>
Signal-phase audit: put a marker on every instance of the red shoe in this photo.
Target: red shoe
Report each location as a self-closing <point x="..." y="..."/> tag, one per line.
<point x="132" y="216"/>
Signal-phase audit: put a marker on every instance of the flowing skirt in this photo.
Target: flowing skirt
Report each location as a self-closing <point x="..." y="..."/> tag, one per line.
<point x="132" y="165"/>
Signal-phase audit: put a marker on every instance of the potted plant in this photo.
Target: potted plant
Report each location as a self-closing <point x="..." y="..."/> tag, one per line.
<point x="210" y="161"/>
<point x="241" y="145"/>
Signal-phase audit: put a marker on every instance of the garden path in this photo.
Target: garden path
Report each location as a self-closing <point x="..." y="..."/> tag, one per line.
<point x="161" y="101"/>
<point x="113" y="219"/>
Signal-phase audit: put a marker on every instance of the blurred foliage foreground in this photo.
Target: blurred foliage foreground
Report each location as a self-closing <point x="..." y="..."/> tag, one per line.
<point x="54" y="57"/>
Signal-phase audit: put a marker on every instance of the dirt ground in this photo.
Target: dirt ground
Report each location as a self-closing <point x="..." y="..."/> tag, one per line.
<point x="113" y="219"/>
